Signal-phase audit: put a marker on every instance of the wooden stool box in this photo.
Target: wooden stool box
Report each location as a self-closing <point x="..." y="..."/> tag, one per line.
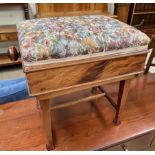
<point x="61" y="55"/>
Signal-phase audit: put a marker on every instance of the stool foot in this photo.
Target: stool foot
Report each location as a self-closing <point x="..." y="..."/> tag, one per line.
<point x="49" y="147"/>
<point x="116" y="122"/>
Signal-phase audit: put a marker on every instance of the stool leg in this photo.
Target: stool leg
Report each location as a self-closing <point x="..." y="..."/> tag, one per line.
<point x="47" y="119"/>
<point x="152" y="55"/>
<point x="121" y="101"/>
<point x="149" y="62"/>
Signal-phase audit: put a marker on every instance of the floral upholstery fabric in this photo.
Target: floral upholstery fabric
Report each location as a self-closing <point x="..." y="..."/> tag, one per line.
<point x="60" y="37"/>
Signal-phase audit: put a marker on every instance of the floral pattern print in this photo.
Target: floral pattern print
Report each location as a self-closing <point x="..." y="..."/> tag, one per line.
<point x="60" y="37"/>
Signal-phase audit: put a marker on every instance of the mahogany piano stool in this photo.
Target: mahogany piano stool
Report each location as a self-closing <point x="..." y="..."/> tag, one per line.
<point x="52" y="74"/>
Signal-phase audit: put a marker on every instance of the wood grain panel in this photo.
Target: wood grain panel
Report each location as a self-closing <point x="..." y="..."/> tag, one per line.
<point x="123" y="11"/>
<point x="61" y="9"/>
<point x="57" y="78"/>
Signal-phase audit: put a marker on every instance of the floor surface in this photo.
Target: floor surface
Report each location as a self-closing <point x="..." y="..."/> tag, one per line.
<point x="79" y="128"/>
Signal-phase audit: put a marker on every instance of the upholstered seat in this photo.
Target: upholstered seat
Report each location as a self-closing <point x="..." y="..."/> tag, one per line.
<point x="59" y="37"/>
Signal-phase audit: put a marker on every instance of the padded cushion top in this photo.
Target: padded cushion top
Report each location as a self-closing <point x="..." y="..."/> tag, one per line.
<point x="59" y="37"/>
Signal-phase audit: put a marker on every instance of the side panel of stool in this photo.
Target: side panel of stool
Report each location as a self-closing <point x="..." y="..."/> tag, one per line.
<point x="75" y="75"/>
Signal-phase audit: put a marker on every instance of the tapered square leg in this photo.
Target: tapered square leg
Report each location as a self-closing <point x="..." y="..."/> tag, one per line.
<point x="121" y="101"/>
<point x="152" y="55"/>
<point x="47" y="120"/>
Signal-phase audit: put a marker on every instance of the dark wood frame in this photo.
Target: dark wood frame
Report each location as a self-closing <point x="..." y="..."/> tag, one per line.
<point x="149" y="30"/>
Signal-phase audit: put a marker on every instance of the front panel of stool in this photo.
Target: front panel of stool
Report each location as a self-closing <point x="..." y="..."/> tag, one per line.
<point x="52" y="79"/>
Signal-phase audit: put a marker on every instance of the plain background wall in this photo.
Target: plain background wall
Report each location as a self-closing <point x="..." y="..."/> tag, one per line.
<point x="12" y="15"/>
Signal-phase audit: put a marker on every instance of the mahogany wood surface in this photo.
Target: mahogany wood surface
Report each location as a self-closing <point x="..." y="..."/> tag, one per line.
<point x="47" y="119"/>
<point x="68" y="76"/>
<point x="124" y="87"/>
<point x="22" y="128"/>
<point x="82" y="59"/>
<point x="76" y="88"/>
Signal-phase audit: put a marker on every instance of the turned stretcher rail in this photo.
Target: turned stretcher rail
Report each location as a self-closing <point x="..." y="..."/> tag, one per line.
<point x="64" y="105"/>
